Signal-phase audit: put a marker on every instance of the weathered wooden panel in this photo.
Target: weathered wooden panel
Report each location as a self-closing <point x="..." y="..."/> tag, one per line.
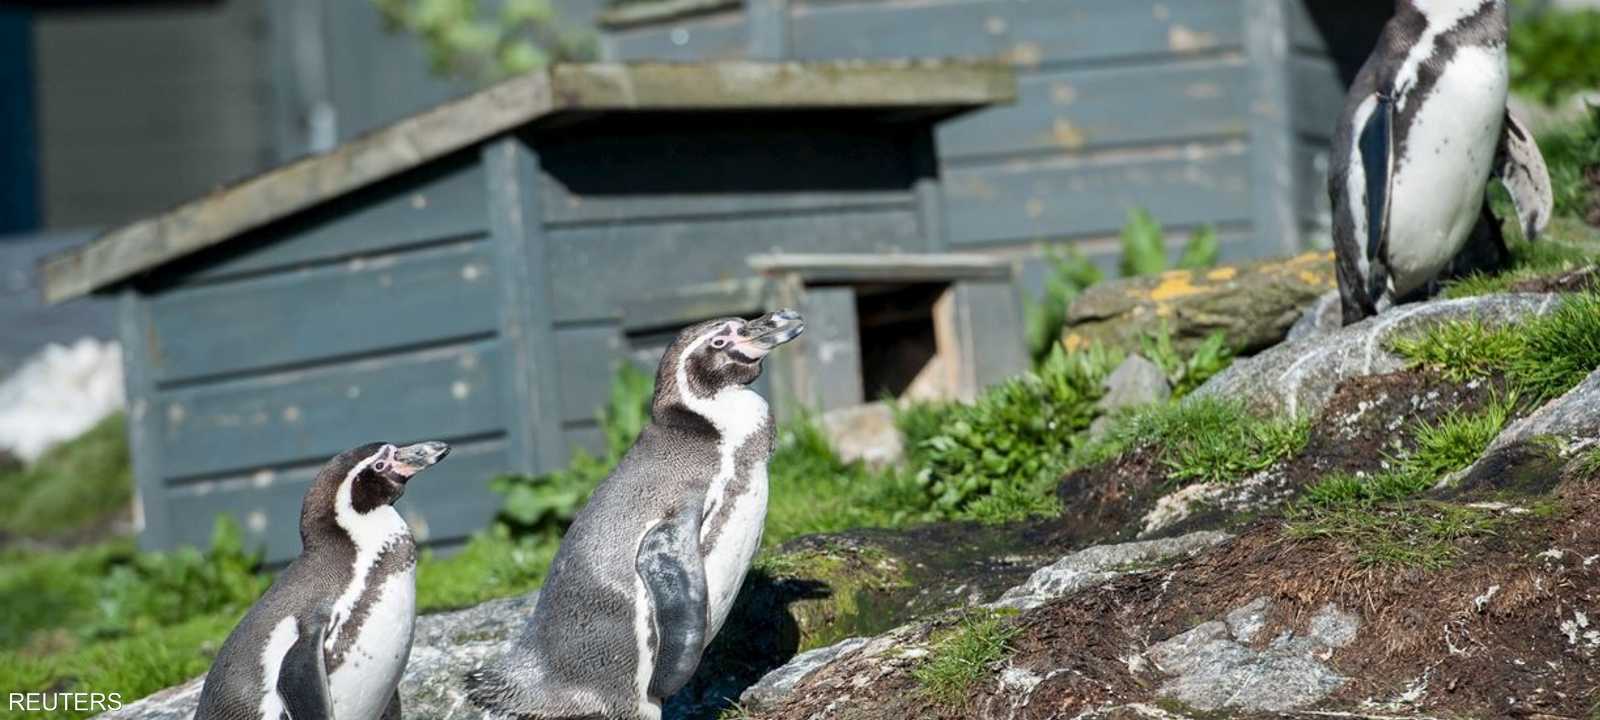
<point x="695" y="168"/>
<point x="988" y="324"/>
<point x="1095" y="108"/>
<point x="1311" y="162"/>
<point x="1319" y="96"/>
<point x="363" y="306"/>
<point x="594" y="269"/>
<point x="1030" y="34"/>
<point x="442" y="201"/>
<point x="710" y="37"/>
<point x="301" y="416"/>
<point x="587" y="356"/>
<point x="1052" y="198"/>
<point x="449" y="501"/>
<point x="830" y="376"/>
<point x="585" y="436"/>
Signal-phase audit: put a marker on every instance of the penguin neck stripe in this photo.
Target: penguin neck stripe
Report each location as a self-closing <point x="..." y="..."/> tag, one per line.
<point x="371" y="533"/>
<point x="736" y="412"/>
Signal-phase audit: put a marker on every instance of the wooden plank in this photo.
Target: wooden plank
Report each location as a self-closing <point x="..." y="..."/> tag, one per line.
<point x="1088" y="109"/>
<point x="596" y="269"/>
<point x="1311" y="163"/>
<point x="697" y="167"/>
<point x="443" y="200"/>
<point x="361" y="307"/>
<point x="586" y="437"/>
<point x="902" y="268"/>
<point x="450" y="501"/>
<point x="300" y="416"/>
<point x="769" y="29"/>
<point x="524" y="297"/>
<point x="588" y="357"/>
<point x="650" y="14"/>
<point x="929" y="191"/>
<point x="1272" y="101"/>
<point x="988" y="318"/>
<point x="746" y="86"/>
<point x="1047" y="199"/>
<point x="152" y="514"/>
<point x="1028" y="34"/>
<point x="1318" y="95"/>
<point x="831" y="378"/>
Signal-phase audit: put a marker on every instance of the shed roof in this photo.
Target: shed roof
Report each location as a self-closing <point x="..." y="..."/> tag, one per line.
<point x="227" y="212"/>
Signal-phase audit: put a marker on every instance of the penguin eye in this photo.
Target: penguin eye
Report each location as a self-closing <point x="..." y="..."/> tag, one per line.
<point x="719" y="342"/>
<point x="380" y="466"/>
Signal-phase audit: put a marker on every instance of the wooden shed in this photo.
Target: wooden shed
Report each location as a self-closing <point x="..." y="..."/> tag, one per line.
<point x="461" y="275"/>
<point x="1205" y="112"/>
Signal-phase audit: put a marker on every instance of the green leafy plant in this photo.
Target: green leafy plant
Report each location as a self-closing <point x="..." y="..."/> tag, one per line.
<point x="1144" y="247"/>
<point x="160" y="589"/>
<point x="964" y="656"/>
<point x="1554" y="53"/>
<point x="1186" y="374"/>
<point x="1070" y="274"/>
<point x="464" y="39"/>
<point x="75" y="485"/>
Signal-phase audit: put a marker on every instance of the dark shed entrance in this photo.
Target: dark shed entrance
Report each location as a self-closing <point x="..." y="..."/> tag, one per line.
<point x="461" y="274"/>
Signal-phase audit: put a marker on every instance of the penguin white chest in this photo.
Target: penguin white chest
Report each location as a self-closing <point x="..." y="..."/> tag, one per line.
<point x="363" y="684"/>
<point x="1438" y="184"/>
<point x="730" y="553"/>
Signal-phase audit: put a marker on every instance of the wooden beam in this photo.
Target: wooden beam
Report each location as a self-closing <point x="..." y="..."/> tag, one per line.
<point x="908" y="267"/>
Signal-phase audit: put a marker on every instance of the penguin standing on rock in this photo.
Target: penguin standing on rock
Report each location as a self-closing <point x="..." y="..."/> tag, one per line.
<point x="1424" y="127"/>
<point x="331" y="637"/>
<point x="649" y="569"/>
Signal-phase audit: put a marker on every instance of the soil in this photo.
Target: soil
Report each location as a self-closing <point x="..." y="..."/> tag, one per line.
<point x="1580" y="280"/>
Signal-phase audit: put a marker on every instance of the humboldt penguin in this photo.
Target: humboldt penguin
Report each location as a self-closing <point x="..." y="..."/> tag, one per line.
<point x="331" y="636"/>
<point x="1423" y="129"/>
<point x="649" y="569"/>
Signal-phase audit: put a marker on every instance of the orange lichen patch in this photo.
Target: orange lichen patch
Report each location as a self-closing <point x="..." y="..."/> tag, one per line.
<point x="1311" y="278"/>
<point x="1222" y="274"/>
<point x="1175" y="284"/>
<point x="1073" y="341"/>
<point x="1066" y="134"/>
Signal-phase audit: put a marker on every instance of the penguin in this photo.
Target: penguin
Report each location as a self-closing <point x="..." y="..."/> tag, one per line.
<point x="1423" y="128"/>
<point x="331" y="636"/>
<point x="649" y="568"/>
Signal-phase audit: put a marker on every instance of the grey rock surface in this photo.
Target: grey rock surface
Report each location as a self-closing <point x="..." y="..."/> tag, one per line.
<point x="1099" y="564"/>
<point x="1572" y="416"/>
<point x="1213" y="666"/>
<point x="1323" y="317"/>
<point x="1299" y="377"/>
<point x="777" y="684"/>
<point x="864" y="432"/>
<point x="1135" y="382"/>
<point x="445" y="647"/>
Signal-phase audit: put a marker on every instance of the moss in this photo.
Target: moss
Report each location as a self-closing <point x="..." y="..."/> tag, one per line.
<point x="962" y="656"/>
<point x="854" y="583"/>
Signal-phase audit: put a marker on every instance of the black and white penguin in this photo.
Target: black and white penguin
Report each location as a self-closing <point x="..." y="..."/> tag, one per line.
<point x="331" y="637"/>
<point x="649" y="569"/>
<point x="1424" y="127"/>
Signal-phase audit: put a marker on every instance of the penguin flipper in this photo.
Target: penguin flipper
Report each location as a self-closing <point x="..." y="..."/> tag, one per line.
<point x="674" y="575"/>
<point x="1521" y="168"/>
<point x="303" y="675"/>
<point x="392" y="711"/>
<point x="1376" y="147"/>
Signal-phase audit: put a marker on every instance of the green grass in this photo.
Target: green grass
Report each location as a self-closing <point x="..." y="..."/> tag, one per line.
<point x="1416" y="534"/>
<point x="1541" y="357"/>
<point x="963" y="656"/>
<point x="1204" y="440"/>
<point x="75" y="485"/>
<point x="1555" y="53"/>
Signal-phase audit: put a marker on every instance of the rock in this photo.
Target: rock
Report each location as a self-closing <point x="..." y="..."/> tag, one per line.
<point x="1297" y="378"/>
<point x="777" y="684"/>
<point x="1323" y="317"/>
<point x="446" y="646"/>
<point x="1098" y="564"/>
<point x="58" y="394"/>
<point x="1214" y="667"/>
<point x="1135" y="383"/>
<point x="1253" y="305"/>
<point x="864" y="432"/>
<point x="1573" y="416"/>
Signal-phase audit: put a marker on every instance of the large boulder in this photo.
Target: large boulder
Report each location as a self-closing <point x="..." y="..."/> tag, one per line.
<point x="1253" y="305"/>
<point x="1298" y="377"/>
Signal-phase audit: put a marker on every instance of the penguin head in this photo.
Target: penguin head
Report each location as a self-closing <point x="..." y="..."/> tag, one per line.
<point x="712" y="356"/>
<point x="364" y="479"/>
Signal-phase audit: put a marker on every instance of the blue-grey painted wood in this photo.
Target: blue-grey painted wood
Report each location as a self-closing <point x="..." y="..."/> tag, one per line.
<point x="361" y="307"/>
<point x="594" y="269"/>
<point x="588" y="356"/>
<point x="721" y="36"/>
<point x="29" y="324"/>
<point x="448" y="502"/>
<point x="307" y="415"/>
<point x="144" y="431"/>
<point x="1031" y="34"/>
<point x="830" y="377"/>
<point x="1050" y="199"/>
<point x="1311" y="163"/>
<point x="441" y="201"/>
<point x="769" y="28"/>
<point x="690" y="168"/>
<point x="524" y="294"/>
<point x="1272" y="179"/>
<point x="585" y="436"/>
<point x="988" y="318"/>
<point x="1092" y="108"/>
<point x="1319" y="97"/>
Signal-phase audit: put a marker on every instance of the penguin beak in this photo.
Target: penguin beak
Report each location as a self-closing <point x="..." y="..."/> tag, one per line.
<point x="759" y="336"/>
<point x="412" y="459"/>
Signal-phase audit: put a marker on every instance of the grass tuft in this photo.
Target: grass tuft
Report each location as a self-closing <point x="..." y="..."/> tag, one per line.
<point x="1421" y="535"/>
<point x="963" y="656"/>
<point x="75" y="485"/>
<point x="1204" y="440"/>
<point x="1542" y="357"/>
